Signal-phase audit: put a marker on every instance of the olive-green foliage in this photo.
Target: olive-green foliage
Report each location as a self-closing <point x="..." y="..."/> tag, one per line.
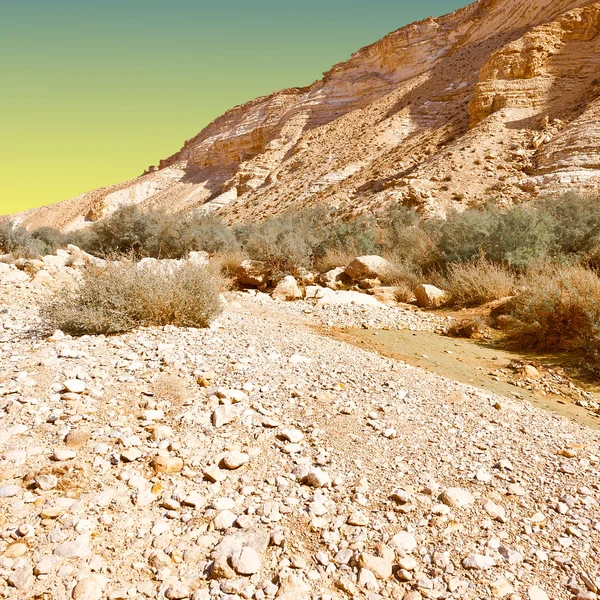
<point x="121" y="296"/>
<point x="303" y="238"/>
<point x="132" y="232"/>
<point x="515" y="237"/>
<point x="16" y="240"/>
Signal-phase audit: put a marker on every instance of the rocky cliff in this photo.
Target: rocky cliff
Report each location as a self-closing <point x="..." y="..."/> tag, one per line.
<point x="496" y="101"/>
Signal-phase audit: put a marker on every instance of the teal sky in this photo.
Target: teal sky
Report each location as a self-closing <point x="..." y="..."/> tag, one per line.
<point x="94" y="91"/>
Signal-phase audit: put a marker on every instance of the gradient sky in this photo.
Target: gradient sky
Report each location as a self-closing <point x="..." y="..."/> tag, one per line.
<point x="94" y="91"/>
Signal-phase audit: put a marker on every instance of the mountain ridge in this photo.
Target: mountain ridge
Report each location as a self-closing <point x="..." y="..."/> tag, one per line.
<point x="496" y="100"/>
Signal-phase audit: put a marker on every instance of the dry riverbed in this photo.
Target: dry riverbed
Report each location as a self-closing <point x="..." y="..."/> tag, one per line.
<point x="260" y="459"/>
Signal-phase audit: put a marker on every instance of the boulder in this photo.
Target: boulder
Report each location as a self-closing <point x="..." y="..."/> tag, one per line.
<point x="287" y="289"/>
<point x="167" y="265"/>
<point x="369" y="284"/>
<point x="367" y="267"/>
<point x="254" y="273"/>
<point x="199" y="258"/>
<point x="306" y="277"/>
<point x="58" y="261"/>
<point x="385" y="294"/>
<point x="42" y="277"/>
<point x="349" y="297"/>
<point x="81" y="257"/>
<point x="429" y="296"/>
<point x="333" y="279"/>
<point x="15" y="276"/>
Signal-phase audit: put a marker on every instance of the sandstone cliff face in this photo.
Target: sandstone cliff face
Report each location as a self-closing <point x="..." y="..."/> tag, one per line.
<point x="494" y="101"/>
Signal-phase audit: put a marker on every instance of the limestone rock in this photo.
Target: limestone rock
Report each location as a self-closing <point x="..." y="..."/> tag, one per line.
<point x="429" y="296"/>
<point x="287" y="289"/>
<point x="167" y="464"/>
<point x="253" y="273"/>
<point x="457" y="498"/>
<point x="368" y="267"/>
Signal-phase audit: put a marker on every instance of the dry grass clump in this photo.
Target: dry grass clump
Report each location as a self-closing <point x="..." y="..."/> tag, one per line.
<point x="558" y="309"/>
<point x="120" y="297"/>
<point x="404" y="277"/>
<point x="227" y="262"/>
<point x="469" y="328"/>
<point x="334" y="258"/>
<point x="478" y="282"/>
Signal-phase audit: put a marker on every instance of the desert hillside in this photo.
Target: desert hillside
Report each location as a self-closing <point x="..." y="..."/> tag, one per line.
<point x="494" y="101"/>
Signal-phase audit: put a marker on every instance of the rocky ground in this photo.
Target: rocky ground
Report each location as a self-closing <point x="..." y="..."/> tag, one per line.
<point x="257" y="459"/>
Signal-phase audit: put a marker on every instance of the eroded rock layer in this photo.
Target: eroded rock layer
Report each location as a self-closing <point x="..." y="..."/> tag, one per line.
<point x="497" y="101"/>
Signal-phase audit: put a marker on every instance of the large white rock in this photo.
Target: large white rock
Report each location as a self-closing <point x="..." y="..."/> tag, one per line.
<point x="367" y="267"/>
<point x="58" y="261"/>
<point x="457" y="497"/>
<point x="404" y="541"/>
<point x="350" y="297"/>
<point x="199" y="258"/>
<point x="429" y="296"/>
<point x="334" y="278"/>
<point x="287" y="289"/>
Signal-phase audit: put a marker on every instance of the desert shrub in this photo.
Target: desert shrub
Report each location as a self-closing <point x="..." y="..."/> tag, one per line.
<point x="410" y="239"/>
<point x="335" y="257"/>
<point x="14" y="238"/>
<point x="463" y="235"/>
<point x="516" y="237"/>
<point x="519" y="236"/>
<point x="211" y="234"/>
<point x="355" y="235"/>
<point x="477" y="282"/>
<point x="52" y="239"/>
<point x="227" y="262"/>
<point x="132" y="232"/>
<point x="559" y="309"/>
<point x="127" y="231"/>
<point x="120" y="297"/>
<point x="302" y="239"/>
<point x="469" y="328"/>
<point x="403" y="292"/>
<point x="286" y="242"/>
<point x="575" y="221"/>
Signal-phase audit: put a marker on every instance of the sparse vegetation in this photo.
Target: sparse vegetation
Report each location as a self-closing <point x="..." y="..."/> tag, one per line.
<point x="468" y="328"/>
<point x="559" y="309"/>
<point x="478" y="282"/>
<point x="120" y="297"/>
<point x="478" y="255"/>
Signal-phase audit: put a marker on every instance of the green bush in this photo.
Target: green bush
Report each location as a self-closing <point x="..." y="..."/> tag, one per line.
<point x="121" y="297"/>
<point x="409" y="240"/>
<point x="464" y="235"/>
<point x="575" y="222"/>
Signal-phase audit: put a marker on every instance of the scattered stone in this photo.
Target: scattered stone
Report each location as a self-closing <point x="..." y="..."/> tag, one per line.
<point x="478" y="561"/>
<point x="246" y="561"/>
<point x="167" y="464"/>
<point x="75" y="386"/>
<point x="234" y="460"/>
<point x="457" y="498"/>
<point x="89" y="588"/>
<point x="429" y="296"/>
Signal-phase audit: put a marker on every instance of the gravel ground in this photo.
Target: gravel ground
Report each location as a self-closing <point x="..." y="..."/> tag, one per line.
<point x="256" y="459"/>
<point x="357" y="315"/>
